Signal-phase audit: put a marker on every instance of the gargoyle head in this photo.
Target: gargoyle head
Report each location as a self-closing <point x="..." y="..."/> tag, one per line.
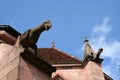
<point x="47" y="25"/>
<point x="100" y="50"/>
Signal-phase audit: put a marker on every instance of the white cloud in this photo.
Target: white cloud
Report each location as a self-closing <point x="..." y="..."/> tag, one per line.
<point x="103" y="29"/>
<point x="99" y="35"/>
<point x="111" y="48"/>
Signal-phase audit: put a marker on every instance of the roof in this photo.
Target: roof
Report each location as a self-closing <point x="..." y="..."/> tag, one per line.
<point x="107" y="77"/>
<point x="10" y="30"/>
<point x="8" y="34"/>
<point x="55" y="56"/>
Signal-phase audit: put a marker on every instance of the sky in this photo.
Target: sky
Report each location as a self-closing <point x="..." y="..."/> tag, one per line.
<point x="72" y="20"/>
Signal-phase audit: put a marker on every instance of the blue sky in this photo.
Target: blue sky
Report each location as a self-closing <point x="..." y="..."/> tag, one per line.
<point x="99" y="20"/>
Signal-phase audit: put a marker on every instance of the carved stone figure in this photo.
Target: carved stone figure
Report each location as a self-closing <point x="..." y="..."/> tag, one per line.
<point x="30" y="37"/>
<point x="90" y="52"/>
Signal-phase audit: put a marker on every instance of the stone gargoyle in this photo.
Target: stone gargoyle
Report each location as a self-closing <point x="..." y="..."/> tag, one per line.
<point x="30" y="37"/>
<point x="91" y="53"/>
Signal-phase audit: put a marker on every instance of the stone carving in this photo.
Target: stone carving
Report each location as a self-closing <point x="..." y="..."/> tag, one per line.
<point x="30" y="37"/>
<point x="90" y="52"/>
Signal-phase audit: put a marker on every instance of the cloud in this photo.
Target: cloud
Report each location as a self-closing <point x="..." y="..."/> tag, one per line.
<point x="99" y="39"/>
<point x="111" y="48"/>
<point x="102" y="29"/>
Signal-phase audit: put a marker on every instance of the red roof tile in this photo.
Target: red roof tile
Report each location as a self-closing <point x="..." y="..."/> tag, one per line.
<point x="55" y="56"/>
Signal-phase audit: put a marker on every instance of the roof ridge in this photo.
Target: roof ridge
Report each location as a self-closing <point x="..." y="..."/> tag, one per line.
<point x="63" y="53"/>
<point x="68" y="54"/>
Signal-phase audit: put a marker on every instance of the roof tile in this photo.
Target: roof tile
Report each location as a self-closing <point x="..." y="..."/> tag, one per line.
<point x="55" y="56"/>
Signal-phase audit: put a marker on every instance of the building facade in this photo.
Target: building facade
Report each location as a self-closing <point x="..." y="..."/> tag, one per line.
<point x="17" y="63"/>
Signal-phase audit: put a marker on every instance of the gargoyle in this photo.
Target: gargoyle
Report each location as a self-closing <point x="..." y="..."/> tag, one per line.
<point x="90" y="52"/>
<point x="30" y="37"/>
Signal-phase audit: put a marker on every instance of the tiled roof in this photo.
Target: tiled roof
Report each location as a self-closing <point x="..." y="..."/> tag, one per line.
<point x="55" y="56"/>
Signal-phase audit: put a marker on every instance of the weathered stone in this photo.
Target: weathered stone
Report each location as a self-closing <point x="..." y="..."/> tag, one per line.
<point x="90" y="53"/>
<point x="4" y="53"/>
<point x="9" y="59"/>
<point x="9" y="67"/>
<point x="31" y="71"/>
<point x="4" y="78"/>
<point x="91" y="71"/>
<point x="13" y="74"/>
<point x="12" y="65"/>
<point x="30" y="37"/>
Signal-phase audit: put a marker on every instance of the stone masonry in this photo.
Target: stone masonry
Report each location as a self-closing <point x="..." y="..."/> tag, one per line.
<point x="9" y="61"/>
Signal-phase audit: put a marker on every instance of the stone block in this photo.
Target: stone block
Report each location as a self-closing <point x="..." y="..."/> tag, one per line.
<point x="93" y="71"/>
<point x="25" y="74"/>
<point x="3" y="62"/>
<point x="4" y="52"/>
<point x="9" y="67"/>
<point x="12" y="75"/>
<point x="4" y="78"/>
<point x="9" y="58"/>
<point x="28" y="71"/>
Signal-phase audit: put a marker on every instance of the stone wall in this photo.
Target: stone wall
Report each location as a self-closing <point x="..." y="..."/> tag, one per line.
<point x="28" y="71"/>
<point x="14" y="67"/>
<point x="92" y="71"/>
<point x="9" y="61"/>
